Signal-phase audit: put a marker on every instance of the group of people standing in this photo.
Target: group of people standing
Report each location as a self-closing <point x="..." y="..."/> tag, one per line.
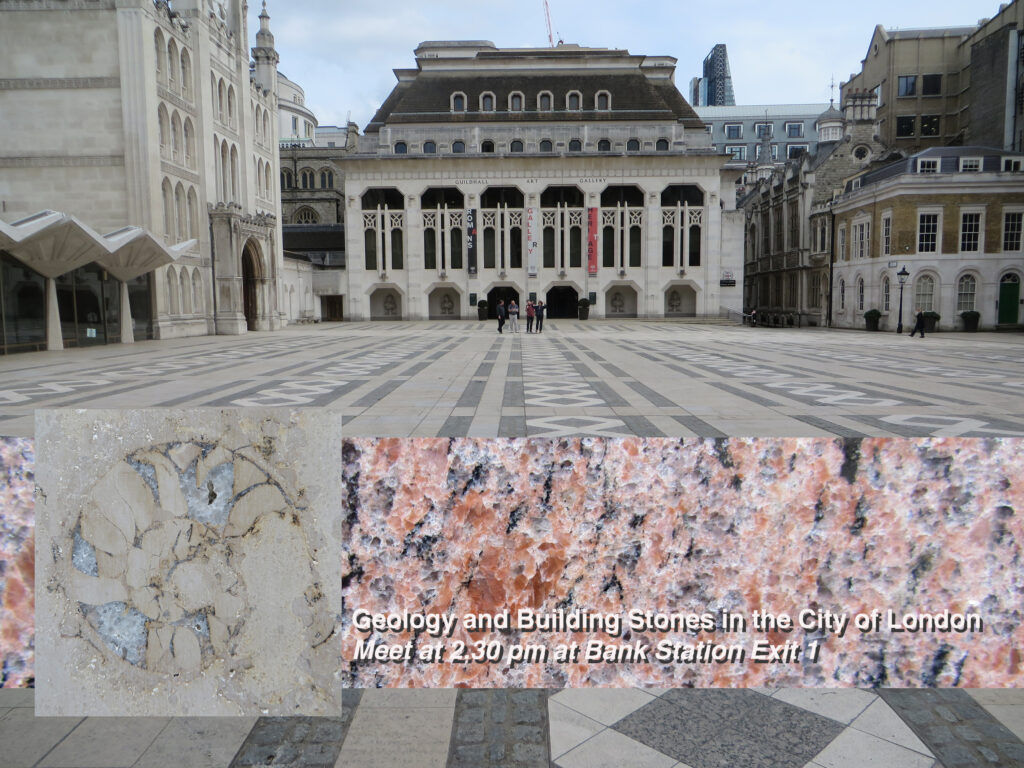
<point x="534" y="313"/>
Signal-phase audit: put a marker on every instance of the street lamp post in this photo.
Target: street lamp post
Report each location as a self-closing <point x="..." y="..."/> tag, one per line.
<point x="902" y="275"/>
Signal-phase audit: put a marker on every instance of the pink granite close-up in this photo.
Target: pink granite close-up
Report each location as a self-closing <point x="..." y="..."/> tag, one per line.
<point x="454" y="527"/>
<point x="17" y="563"/>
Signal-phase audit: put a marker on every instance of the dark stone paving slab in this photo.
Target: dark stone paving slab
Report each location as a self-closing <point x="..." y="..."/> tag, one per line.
<point x="958" y="730"/>
<point x="730" y="728"/>
<point x="699" y="427"/>
<point x="302" y="742"/>
<point x="500" y="728"/>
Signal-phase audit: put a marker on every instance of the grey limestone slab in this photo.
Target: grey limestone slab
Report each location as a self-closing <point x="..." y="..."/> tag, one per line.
<point x="188" y="562"/>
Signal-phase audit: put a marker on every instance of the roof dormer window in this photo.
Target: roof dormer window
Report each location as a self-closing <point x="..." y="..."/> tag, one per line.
<point x="515" y="102"/>
<point x="487" y="102"/>
<point x="603" y="101"/>
<point x="544" y="101"/>
<point x="458" y="102"/>
<point x="573" y="101"/>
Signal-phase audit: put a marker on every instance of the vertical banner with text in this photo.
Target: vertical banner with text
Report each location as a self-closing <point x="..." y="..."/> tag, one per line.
<point x="531" y="241"/>
<point x="471" y="239"/>
<point x="592" y="241"/>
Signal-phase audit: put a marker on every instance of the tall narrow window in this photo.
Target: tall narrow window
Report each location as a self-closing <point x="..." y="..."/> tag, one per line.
<point x="549" y="247"/>
<point x="635" y="242"/>
<point x="966" y="289"/>
<point x="370" y="243"/>
<point x="885" y="294"/>
<point x="887" y="236"/>
<point x="489" y="249"/>
<point x="515" y="102"/>
<point x="927" y="232"/>
<point x="544" y="102"/>
<point x="860" y="294"/>
<point x="970" y="232"/>
<point x="459" y="103"/>
<point x="575" y="246"/>
<point x="397" y="249"/>
<point x="573" y="101"/>
<point x="608" y="247"/>
<point x="604" y="101"/>
<point x="1013" y="225"/>
<point x="668" y="235"/>
<point x="924" y="293"/>
<point x="429" y="248"/>
<point x="487" y="102"/>
<point x="515" y="245"/>
<point x="456" y="248"/>
<point x="694" y="246"/>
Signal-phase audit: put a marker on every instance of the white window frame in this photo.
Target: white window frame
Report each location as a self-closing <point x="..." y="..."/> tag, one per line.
<point x="937" y="212"/>
<point x="522" y="101"/>
<point x="885" y="234"/>
<point x="861" y="290"/>
<point x="980" y="210"/>
<point x="974" y="294"/>
<point x="928" y="165"/>
<point x="972" y="160"/>
<point x="886" y="291"/>
<point x="800" y="135"/>
<point x="861" y="231"/>
<point x="598" y="96"/>
<point x="935" y="294"/>
<point x="842" y="243"/>
<point x="727" y="126"/>
<point x="465" y="102"/>
<point x="494" y="101"/>
<point x="568" y="96"/>
<point x="551" y="101"/>
<point x="1012" y="209"/>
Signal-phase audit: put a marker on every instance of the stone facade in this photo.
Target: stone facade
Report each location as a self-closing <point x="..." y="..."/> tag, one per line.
<point x="470" y="185"/>
<point x="162" y="126"/>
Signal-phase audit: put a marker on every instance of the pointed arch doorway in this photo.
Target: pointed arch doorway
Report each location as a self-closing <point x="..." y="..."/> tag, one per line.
<point x="252" y="281"/>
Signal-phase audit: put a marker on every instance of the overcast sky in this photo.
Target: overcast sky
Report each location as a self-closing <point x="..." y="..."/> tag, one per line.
<point x="342" y="52"/>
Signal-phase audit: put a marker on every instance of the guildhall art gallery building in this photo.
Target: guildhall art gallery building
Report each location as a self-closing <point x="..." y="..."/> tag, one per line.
<point x="559" y="174"/>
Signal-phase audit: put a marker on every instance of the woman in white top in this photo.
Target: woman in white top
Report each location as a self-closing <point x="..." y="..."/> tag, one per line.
<point x="513" y="316"/>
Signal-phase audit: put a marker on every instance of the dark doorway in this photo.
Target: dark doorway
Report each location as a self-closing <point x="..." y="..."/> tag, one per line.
<point x="332" y="308"/>
<point x="502" y="293"/>
<point x="250" y="286"/>
<point x="89" y="301"/>
<point x="1009" y="299"/>
<point x="562" y="302"/>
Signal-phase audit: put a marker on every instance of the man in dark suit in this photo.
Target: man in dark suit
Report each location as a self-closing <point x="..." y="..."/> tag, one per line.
<point x="502" y="314"/>
<point x="539" y="309"/>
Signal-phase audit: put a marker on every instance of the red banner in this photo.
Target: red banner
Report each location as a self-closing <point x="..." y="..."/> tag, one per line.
<point x="592" y="241"/>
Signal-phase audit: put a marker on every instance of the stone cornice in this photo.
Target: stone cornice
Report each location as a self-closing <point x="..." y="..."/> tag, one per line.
<point x="60" y="161"/>
<point x="57" y="83"/>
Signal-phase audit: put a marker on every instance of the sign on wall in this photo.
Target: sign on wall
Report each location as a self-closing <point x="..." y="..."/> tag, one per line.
<point x="592" y="241"/>
<point x="532" y="245"/>
<point x="471" y="240"/>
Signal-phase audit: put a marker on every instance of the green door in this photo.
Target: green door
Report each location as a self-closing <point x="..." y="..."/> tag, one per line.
<point x="1009" y="299"/>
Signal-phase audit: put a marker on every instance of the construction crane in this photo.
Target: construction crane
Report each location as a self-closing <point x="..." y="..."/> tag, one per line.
<point x="547" y="18"/>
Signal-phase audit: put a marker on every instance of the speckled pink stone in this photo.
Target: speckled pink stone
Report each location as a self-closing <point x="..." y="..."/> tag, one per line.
<point x="695" y="525"/>
<point x="17" y="563"/>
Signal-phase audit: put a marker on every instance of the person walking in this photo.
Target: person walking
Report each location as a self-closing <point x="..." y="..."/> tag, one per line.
<point x="919" y="324"/>
<point x="531" y="312"/>
<point x="513" y="316"/>
<point x="501" y="314"/>
<point x="539" y="310"/>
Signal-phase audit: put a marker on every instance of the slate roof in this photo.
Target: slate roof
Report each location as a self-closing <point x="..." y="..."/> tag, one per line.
<point x="427" y="99"/>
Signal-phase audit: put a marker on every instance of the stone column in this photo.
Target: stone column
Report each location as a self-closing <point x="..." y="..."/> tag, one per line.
<point x="54" y="336"/>
<point x="127" y="329"/>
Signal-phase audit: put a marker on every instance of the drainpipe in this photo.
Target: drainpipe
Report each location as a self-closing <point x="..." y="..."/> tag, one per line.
<point x="831" y="259"/>
<point x="213" y="274"/>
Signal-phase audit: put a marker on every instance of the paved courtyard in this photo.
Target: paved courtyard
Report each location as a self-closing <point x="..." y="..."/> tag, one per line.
<point x="595" y="728"/>
<point x="577" y="378"/>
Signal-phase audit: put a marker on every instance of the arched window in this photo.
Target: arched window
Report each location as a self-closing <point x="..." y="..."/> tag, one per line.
<point x="458" y="102"/>
<point x="286" y="179"/>
<point x="516" y="146"/>
<point x="544" y="101"/>
<point x="575" y="145"/>
<point x="164" y="124"/>
<point x="222" y="101"/>
<point x="180" y="212"/>
<point x="487" y="146"/>
<point x="266" y="127"/>
<point x="885" y="294"/>
<point x="231" y="105"/>
<point x="842" y="295"/>
<point x="266" y="182"/>
<point x="172" y="292"/>
<point x="306" y="216"/>
<point x="234" y="173"/>
<point x="429" y="147"/>
<point x="458" y="147"/>
<point x="306" y="179"/>
<point x="573" y="101"/>
<point x="966" y="290"/>
<point x="662" y="145"/>
<point x="924" y="293"/>
<point x="545" y="145"/>
<point x="515" y="102"/>
<point x="168" y="197"/>
<point x="860" y="294"/>
<point x="633" y="145"/>
<point x="327" y="179"/>
<point x="193" y="213"/>
<point x="186" y="75"/>
<point x="603" y="101"/>
<point x="190" y="143"/>
<point x="401" y="148"/>
<point x="487" y="102"/>
<point x="176" y="154"/>
<point x="186" y="292"/>
<point x="172" y="65"/>
<point x="161" y="57"/>
<point x="604" y="145"/>
<point x="197" y="292"/>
